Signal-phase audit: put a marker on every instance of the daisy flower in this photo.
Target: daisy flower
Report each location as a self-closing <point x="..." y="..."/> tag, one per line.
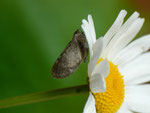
<point x="119" y="69"/>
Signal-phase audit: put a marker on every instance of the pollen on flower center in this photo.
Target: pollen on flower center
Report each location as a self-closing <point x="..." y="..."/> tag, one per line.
<point x="111" y="100"/>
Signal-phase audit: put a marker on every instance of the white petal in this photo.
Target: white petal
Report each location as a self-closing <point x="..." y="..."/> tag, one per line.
<point x="102" y="68"/>
<point x="89" y="30"/>
<point x="115" y="27"/>
<point x="138" y="98"/>
<point x="96" y="55"/>
<point x="136" y="68"/>
<point x="97" y="83"/>
<point x="92" y="29"/>
<point x="125" y="26"/>
<point x="124" y="109"/>
<point x="139" y="80"/>
<point x="86" y="30"/>
<point x="122" y="30"/>
<point x="124" y="39"/>
<point x="132" y="50"/>
<point x="90" y="105"/>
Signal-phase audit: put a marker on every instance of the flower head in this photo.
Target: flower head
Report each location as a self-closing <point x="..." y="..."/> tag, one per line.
<point x="118" y="68"/>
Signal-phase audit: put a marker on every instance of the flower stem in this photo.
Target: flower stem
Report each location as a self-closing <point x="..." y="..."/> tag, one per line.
<point x="43" y="96"/>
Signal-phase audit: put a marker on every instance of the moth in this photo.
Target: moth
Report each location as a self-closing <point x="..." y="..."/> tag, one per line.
<point x="73" y="55"/>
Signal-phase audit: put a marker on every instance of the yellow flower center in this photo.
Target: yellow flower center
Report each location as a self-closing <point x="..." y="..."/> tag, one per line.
<point x="111" y="100"/>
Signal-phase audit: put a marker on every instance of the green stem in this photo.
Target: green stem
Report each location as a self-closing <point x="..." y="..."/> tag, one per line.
<point x="43" y="96"/>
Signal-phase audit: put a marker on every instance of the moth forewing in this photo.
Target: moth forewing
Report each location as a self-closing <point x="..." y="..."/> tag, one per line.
<point x="75" y="52"/>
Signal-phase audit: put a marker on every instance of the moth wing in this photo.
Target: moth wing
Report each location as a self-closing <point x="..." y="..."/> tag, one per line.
<point x="68" y="61"/>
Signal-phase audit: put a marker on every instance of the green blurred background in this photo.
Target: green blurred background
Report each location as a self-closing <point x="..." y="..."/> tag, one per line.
<point x="32" y="35"/>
